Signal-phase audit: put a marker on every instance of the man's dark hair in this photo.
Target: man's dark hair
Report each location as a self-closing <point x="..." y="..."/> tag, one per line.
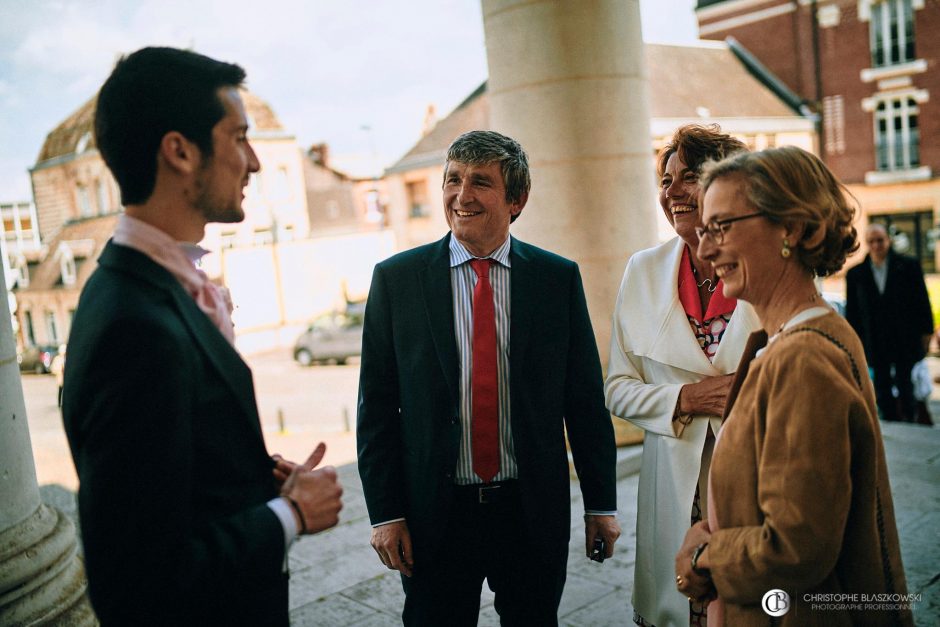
<point x="485" y="147"/>
<point x="150" y="93"/>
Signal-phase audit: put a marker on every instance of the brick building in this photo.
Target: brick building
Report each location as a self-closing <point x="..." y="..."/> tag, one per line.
<point x="868" y="68"/>
<point x="339" y="203"/>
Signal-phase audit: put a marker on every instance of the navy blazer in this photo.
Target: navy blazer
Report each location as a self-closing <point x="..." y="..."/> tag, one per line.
<point x="408" y="421"/>
<point x="890" y="325"/>
<point x="160" y="414"/>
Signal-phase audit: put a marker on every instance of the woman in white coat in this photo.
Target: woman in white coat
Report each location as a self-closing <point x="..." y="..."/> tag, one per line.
<point x="676" y="339"/>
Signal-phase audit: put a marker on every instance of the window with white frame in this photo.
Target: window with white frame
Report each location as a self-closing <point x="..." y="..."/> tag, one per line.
<point x="891" y="33"/>
<point x="897" y="136"/>
<point x="67" y="268"/>
<point x="101" y="196"/>
<point x="52" y="329"/>
<point x="84" y="202"/>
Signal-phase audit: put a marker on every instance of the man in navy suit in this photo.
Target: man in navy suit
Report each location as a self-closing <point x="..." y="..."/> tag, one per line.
<point x="451" y="505"/>
<point x="185" y="518"/>
<point x="888" y="306"/>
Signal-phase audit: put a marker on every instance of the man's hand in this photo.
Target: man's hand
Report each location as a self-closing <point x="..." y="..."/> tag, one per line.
<point x="393" y="544"/>
<point x="605" y="527"/>
<point x="316" y="492"/>
<point x="283" y="468"/>
<point x="691" y="584"/>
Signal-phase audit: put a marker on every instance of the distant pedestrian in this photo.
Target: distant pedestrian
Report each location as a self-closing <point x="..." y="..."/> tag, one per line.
<point x="185" y="518"/>
<point x="57" y="368"/>
<point x="888" y="306"/>
<point x="800" y="504"/>
<point x="477" y="355"/>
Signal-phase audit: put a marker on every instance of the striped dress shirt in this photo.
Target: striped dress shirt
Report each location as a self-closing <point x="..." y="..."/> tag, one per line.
<point x="463" y="279"/>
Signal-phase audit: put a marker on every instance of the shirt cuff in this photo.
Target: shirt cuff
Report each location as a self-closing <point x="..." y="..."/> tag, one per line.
<point x="387" y="522"/>
<point x="591" y="512"/>
<point x="285" y="514"/>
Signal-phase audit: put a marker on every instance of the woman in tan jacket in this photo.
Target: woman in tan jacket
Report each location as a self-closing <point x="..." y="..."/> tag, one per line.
<point x="801" y="525"/>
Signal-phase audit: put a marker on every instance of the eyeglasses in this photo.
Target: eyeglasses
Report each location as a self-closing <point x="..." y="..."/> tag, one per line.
<point x="716" y="229"/>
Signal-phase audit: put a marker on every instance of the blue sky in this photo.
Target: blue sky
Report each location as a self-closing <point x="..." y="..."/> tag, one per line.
<point x="327" y="68"/>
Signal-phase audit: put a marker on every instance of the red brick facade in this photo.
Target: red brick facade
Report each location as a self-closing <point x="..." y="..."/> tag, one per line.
<point x="892" y="169"/>
<point x="780" y="34"/>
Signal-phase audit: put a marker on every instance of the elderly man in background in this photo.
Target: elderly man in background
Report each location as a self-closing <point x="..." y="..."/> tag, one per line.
<point x="888" y="306"/>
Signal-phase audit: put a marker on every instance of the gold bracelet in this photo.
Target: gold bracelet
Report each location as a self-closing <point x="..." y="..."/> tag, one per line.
<point x="684" y="419"/>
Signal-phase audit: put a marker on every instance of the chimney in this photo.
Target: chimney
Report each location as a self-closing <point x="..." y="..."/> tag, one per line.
<point x="430" y="120"/>
<point x="319" y="154"/>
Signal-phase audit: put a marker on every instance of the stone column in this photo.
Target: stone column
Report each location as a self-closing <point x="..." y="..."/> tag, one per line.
<point x="42" y="578"/>
<point x="567" y="79"/>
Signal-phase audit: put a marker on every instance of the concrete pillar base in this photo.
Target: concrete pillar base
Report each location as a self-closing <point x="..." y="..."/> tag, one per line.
<point x="42" y="577"/>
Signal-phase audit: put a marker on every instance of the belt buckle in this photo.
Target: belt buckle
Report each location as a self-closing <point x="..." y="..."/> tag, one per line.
<point x="488" y="494"/>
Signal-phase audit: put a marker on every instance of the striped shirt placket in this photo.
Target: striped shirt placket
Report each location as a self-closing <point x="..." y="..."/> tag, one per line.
<point x="463" y="280"/>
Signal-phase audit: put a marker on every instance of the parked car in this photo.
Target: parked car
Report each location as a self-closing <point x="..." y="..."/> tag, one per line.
<point x="37" y="359"/>
<point x="331" y="337"/>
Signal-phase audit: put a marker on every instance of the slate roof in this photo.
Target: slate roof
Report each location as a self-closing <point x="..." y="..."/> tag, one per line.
<point x="685" y="81"/>
<point x="63" y="140"/>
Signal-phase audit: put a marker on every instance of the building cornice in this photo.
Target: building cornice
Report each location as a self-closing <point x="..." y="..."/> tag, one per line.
<point x="728" y="7"/>
<point x="746" y="18"/>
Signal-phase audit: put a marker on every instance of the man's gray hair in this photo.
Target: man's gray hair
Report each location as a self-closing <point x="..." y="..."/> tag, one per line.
<point x="483" y="147"/>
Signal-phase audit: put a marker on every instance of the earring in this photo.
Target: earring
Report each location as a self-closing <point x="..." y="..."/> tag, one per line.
<point x="785" y="251"/>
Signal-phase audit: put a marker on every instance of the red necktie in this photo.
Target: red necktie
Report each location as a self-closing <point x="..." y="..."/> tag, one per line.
<point x="484" y="387"/>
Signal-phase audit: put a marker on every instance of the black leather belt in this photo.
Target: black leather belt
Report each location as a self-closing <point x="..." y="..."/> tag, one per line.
<point x="487" y="493"/>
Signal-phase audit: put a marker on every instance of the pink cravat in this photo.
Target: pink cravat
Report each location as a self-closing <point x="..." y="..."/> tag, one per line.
<point x="213" y="300"/>
<point x="216" y="302"/>
<point x="483" y="380"/>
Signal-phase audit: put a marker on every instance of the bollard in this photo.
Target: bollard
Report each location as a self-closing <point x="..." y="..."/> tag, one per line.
<point x="282" y="429"/>
<point x="346" y="426"/>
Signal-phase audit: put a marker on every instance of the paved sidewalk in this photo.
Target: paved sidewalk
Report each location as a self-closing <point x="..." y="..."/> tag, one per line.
<point x="337" y="579"/>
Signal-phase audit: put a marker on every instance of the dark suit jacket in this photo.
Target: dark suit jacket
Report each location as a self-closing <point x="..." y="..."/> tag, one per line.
<point x="161" y="418"/>
<point x="408" y="427"/>
<point x="890" y="325"/>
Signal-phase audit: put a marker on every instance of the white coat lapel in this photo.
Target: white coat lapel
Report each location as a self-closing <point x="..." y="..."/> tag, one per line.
<point x="744" y="321"/>
<point x="655" y="288"/>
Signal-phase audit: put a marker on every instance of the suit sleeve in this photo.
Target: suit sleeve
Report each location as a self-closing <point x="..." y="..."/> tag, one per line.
<point x="852" y="307"/>
<point x="650" y="406"/>
<point x="378" y="429"/>
<point x="133" y="449"/>
<point x="920" y="299"/>
<point x="590" y="432"/>
<point x="805" y="505"/>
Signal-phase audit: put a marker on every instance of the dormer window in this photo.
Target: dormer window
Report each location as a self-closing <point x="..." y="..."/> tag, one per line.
<point x="892" y="33"/>
<point x="67" y="267"/>
<point x="83" y="141"/>
<point x="21" y="271"/>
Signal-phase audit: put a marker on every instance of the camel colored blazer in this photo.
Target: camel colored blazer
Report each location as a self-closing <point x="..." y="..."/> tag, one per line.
<point x="800" y="486"/>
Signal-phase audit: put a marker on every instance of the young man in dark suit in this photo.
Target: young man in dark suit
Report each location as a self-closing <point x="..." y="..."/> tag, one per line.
<point x="477" y="354"/>
<point x="888" y="306"/>
<point x="186" y="519"/>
